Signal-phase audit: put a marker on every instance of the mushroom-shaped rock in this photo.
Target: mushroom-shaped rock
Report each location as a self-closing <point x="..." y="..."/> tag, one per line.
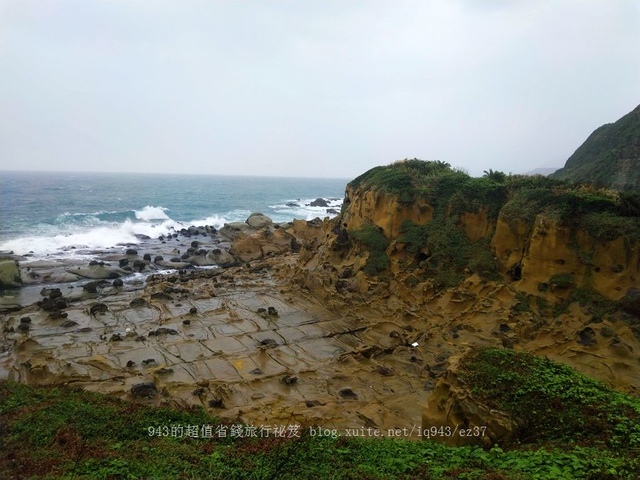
<point x="259" y="220"/>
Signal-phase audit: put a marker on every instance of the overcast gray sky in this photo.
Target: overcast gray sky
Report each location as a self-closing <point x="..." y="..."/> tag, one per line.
<point x="310" y="88"/>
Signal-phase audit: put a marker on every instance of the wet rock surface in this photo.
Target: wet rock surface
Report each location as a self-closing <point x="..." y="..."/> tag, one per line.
<point x="242" y="330"/>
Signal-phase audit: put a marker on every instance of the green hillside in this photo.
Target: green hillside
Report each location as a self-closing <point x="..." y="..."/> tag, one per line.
<point x="609" y="157"/>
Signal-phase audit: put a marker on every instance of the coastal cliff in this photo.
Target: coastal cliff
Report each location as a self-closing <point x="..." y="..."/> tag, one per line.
<point x="454" y="262"/>
<point x="533" y="228"/>
<point x="536" y="235"/>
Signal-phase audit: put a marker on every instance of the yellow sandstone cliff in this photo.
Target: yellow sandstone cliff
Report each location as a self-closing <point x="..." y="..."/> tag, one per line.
<point x="557" y="293"/>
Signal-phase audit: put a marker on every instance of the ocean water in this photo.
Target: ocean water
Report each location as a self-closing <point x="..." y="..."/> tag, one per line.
<point x="48" y="214"/>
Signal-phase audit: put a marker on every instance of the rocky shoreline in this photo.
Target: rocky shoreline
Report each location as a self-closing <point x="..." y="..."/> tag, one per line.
<point x="238" y="337"/>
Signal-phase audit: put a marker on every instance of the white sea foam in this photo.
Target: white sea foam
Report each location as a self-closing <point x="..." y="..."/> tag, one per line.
<point x="302" y="209"/>
<point x="152" y="213"/>
<point x="213" y="221"/>
<point x="93" y="238"/>
<point x="64" y="240"/>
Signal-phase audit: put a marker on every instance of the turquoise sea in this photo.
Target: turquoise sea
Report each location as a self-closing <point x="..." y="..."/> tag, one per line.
<point x="56" y="214"/>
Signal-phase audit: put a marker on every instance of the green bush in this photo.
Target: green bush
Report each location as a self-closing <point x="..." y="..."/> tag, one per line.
<point x="445" y="251"/>
<point x="607" y="226"/>
<point x="401" y="176"/>
<point x="552" y="401"/>
<point x="373" y="238"/>
<point x="597" y="305"/>
<point x="629" y="204"/>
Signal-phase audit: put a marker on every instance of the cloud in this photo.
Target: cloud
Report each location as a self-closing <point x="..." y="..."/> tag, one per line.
<point x="309" y="88"/>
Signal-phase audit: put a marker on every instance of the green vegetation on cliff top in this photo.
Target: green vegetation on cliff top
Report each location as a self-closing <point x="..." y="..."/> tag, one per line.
<point x="605" y="214"/>
<point x="441" y="248"/>
<point x="573" y="427"/>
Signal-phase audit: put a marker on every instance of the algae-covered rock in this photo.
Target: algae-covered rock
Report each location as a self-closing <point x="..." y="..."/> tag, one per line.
<point x="9" y="274"/>
<point x="97" y="272"/>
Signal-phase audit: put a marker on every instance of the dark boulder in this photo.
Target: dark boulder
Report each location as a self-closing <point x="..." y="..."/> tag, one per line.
<point x="319" y="202"/>
<point x="98" y="308"/>
<point x="164" y="331"/>
<point x="60" y="303"/>
<point x="54" y="293"/>
<point x="46" y="304"/>
<point x="145" y="389"/>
